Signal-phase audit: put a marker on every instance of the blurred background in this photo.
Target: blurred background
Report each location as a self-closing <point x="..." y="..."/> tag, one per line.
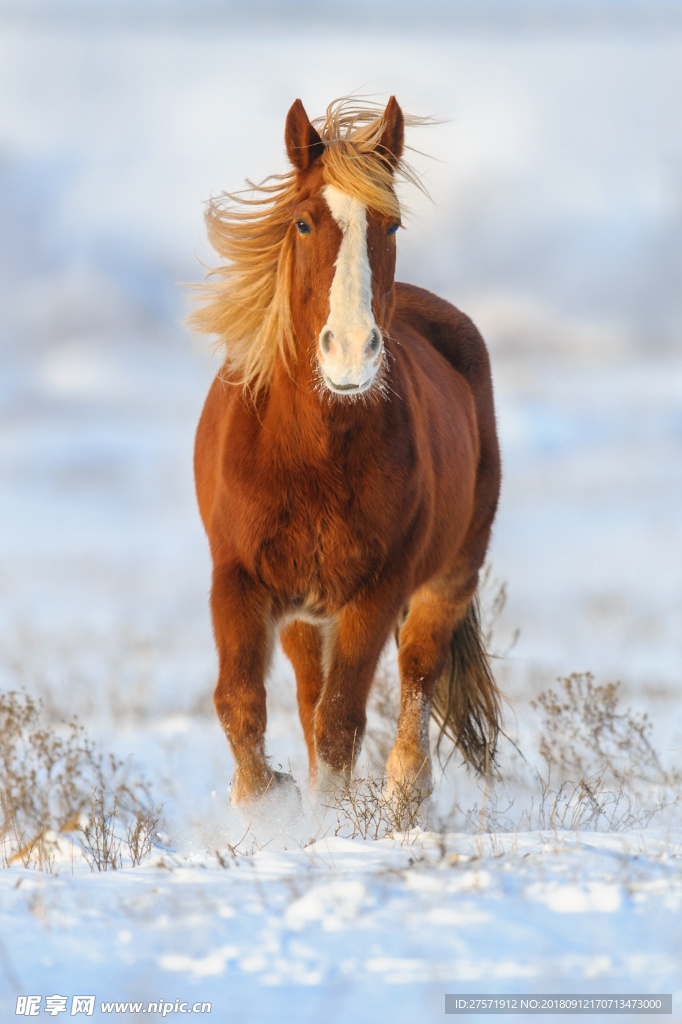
<point x="555" y="221"/>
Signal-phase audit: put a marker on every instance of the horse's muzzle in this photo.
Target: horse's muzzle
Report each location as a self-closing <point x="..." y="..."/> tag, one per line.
<point x="349" y="363"/>
<point x="348" y="389"/>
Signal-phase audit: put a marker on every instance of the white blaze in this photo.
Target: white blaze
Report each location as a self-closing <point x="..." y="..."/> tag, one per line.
<point x="346" y="354"/>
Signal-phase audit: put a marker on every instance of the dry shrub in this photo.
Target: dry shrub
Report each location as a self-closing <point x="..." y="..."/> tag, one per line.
<point x="364" y="810"/>
<point x="141" y="834"/>
<point x="102" y="846"/>
<point x="47" y="781"/>
<point x="599" y="770"/>
<point x="602" y="769"/>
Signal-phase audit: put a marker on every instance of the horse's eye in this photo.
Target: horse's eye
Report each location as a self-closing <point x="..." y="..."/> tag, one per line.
<point x="393" y="229"/>
<point x="303" y="227"/>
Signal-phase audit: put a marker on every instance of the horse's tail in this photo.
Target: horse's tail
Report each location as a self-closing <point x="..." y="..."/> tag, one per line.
<point x="466" y="702"/>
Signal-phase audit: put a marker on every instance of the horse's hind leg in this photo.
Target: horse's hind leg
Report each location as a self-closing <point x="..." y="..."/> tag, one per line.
<point x="425" y="638"/>
<point x="302" y="644"/>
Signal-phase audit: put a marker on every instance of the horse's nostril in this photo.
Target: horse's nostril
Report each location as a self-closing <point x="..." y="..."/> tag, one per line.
<point x="374" y="342"/>
<point x="326" y="339"/>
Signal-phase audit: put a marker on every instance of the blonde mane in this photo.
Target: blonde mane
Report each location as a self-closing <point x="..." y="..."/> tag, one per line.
<point x="247" y="301"/>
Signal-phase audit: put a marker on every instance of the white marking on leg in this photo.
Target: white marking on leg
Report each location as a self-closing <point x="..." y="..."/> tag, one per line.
<point x="331" y="784"/>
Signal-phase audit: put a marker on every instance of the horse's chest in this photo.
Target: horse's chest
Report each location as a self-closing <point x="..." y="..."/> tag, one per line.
<point x="321" y="542"/>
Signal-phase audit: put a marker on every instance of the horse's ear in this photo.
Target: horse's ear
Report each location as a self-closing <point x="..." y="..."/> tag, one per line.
<point x="393" y="135"/>
<point x="304" y="145"/>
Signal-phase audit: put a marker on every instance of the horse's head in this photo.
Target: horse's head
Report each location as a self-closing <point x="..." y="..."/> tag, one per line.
<point x="344" y="219"/>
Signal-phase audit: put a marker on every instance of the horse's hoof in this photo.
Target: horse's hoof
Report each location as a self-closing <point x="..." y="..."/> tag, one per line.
<point x="279" y="798"/>
<point x="283" y="787"/>
<point x="409" y="782"/>
<point x="331" y="786"/>
<point x="408" y="796"/>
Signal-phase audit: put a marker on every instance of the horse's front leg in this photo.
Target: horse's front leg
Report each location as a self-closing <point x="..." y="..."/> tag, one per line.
<point x="244" y="638"/>
<point x="352" y="651"/>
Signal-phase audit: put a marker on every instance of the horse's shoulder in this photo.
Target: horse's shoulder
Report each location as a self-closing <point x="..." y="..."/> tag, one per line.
<point x="450" y="331"/>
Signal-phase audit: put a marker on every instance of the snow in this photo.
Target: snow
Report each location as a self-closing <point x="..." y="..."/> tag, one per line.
<point x="366" y="928"/>
<point x="556" y="225"/>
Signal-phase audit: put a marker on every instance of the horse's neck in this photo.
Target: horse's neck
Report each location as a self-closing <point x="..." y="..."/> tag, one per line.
<point x="304" y="419"/>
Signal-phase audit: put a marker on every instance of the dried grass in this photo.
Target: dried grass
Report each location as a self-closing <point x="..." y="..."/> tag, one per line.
<point x="364" y="810"/>
<point x="599" y="767"/>
<point x="47" y="780"/>
<point x="602" y="770"/>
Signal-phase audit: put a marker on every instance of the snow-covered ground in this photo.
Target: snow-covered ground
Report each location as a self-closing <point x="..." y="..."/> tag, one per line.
<point x="355" y="930"/>
<point x="556" y="224"/>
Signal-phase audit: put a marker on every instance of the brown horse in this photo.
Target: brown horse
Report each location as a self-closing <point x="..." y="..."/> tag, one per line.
<point x="347" y="465"/>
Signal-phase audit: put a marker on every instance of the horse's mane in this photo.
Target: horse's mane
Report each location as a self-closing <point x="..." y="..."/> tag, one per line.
<point x="247" y="302"/>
